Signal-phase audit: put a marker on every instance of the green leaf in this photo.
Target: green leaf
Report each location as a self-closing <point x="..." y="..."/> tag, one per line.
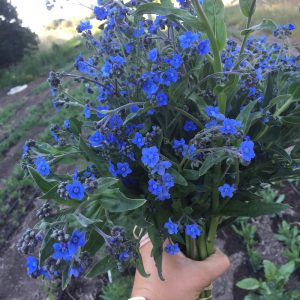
<point x="244" y="115"/>
<point x="42" y="183"/>
<point x="115" y="201"/>
<point x="270" y="270"/>
<point x="178" y="178"/>
<point x="106" y="182"/>
<point x="94" y="243"/>
<point x="91" y="155"/>
<point x="248" y="284"/>
<point x="294" y="120"/>
<point x="157" y="249"/>
<point x="210" y="161"/>
<point x="170" y="13"/>
<point x="84" y="221"/>
<point x="104" y="265"/>
<point x="276" y="100"/>
<point x="65" y="277"/>
<point x="190" y="174"/>
<point x="236" y="208"/>
<point x="75" y="126"/>
<point x="167" y="3"/>
<point x="287" y="270"/>
<point x="46" y="248"/>
<point x="245" y="6"/>
<point x="214" y="10"/>
<point x="281" y="151"/>
<point x="140" y="266"/>
<point x="264" y="25"/>
<point x="52" y="195"/>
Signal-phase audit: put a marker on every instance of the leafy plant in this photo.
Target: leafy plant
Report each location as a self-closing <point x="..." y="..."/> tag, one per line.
<point x="248" y="231"/>
<point x="272" y="287"/>
<point x="290" y="236"/>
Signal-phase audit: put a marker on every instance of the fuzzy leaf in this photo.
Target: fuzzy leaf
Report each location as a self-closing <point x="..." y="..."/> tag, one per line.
<point x="248" y="284"/>
<point x="214" y="10"/>
<point x="178" y="178"/>
<point x="245" y="6"/>
<point x="44" y="184"/>
<point x="210" y="161"/>
<point x="264" y="25"/>
<point x="104" y="265"/>
<point x="157" y="249"/>
<point x="170" y="13"/>
<point x="115" y="201"/>
<point x="253" y="208"/>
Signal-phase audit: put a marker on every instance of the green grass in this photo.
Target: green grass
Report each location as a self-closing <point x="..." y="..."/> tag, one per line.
<point x="8" y="111"/>
<point x="40" y="88"/>
<point x="282" y="12"/>
<point x="40" y="63"/>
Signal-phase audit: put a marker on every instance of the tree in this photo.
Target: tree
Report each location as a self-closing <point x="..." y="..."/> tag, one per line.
<point x="15" y="39"/>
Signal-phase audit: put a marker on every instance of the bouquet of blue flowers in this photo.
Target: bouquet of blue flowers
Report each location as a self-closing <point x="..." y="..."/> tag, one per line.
<point x="178" y="129"/>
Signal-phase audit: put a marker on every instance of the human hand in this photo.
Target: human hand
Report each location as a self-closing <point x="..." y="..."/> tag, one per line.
<point x="184" y="277"/>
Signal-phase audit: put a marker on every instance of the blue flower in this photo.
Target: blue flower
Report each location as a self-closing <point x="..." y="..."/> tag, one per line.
<point x="210" y="124"/>
<point x="177" y="144"/>
<point x="172" y="227"/>
<point x="138" y="140"/>
<point x="67" y="124"/>
<point x="189" y="126"/>
<point x="246" y="150"/>
<point x="100" y="13"/>
<point x="115" y="122"/>
<point x="154" y="187"/>
<point x="124" y="256"/>
<point x="189" y="151"/>
<point x="161" y="99"/>
<point x="187" y="39"/>
<point x="172" y="249"/>
<point x="75" y="271"/>
<point x="211" y="111"/>
<point x="101" y="108"/>
<point x="164" y="195"/>
<point x="168" y="77"/>
<point x="123" y="169"/>
<point x="230" y="126"/>
<point x="149" y="87"/>
<point x="193" y="230"/>
<point x="42" y="166"/>
<point x="160" y="167"/>
<point x="129" y="48"/>
<point x="61" y="251"/>
<point x="112" y="169"/>
<point x="226" y="190"/>
<point x="87" y="112"/>
<point x="83" y="26"/>
<point x="168" y="180"/>
<point x="32" y="264"/>
<point x="176" y="61"/>
<point x="152" y="55"/>
<point x="96" y="139"/>
<point x="291" y="27"/>
<point x="150" y="156"/>
<point x="118" y="59"/>
<point x="203" y="47"/>
<point x="75" y="190"/>
<point x="106" y="69"/>
<point x="77" y="240"/>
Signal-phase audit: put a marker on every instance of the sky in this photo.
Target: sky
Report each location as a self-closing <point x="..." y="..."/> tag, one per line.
<point x="35" y="15"/>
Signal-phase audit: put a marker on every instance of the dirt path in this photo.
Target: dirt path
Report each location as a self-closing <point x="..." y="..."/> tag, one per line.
<point x="15" y="284"/>
<point x="26" y="98"/>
